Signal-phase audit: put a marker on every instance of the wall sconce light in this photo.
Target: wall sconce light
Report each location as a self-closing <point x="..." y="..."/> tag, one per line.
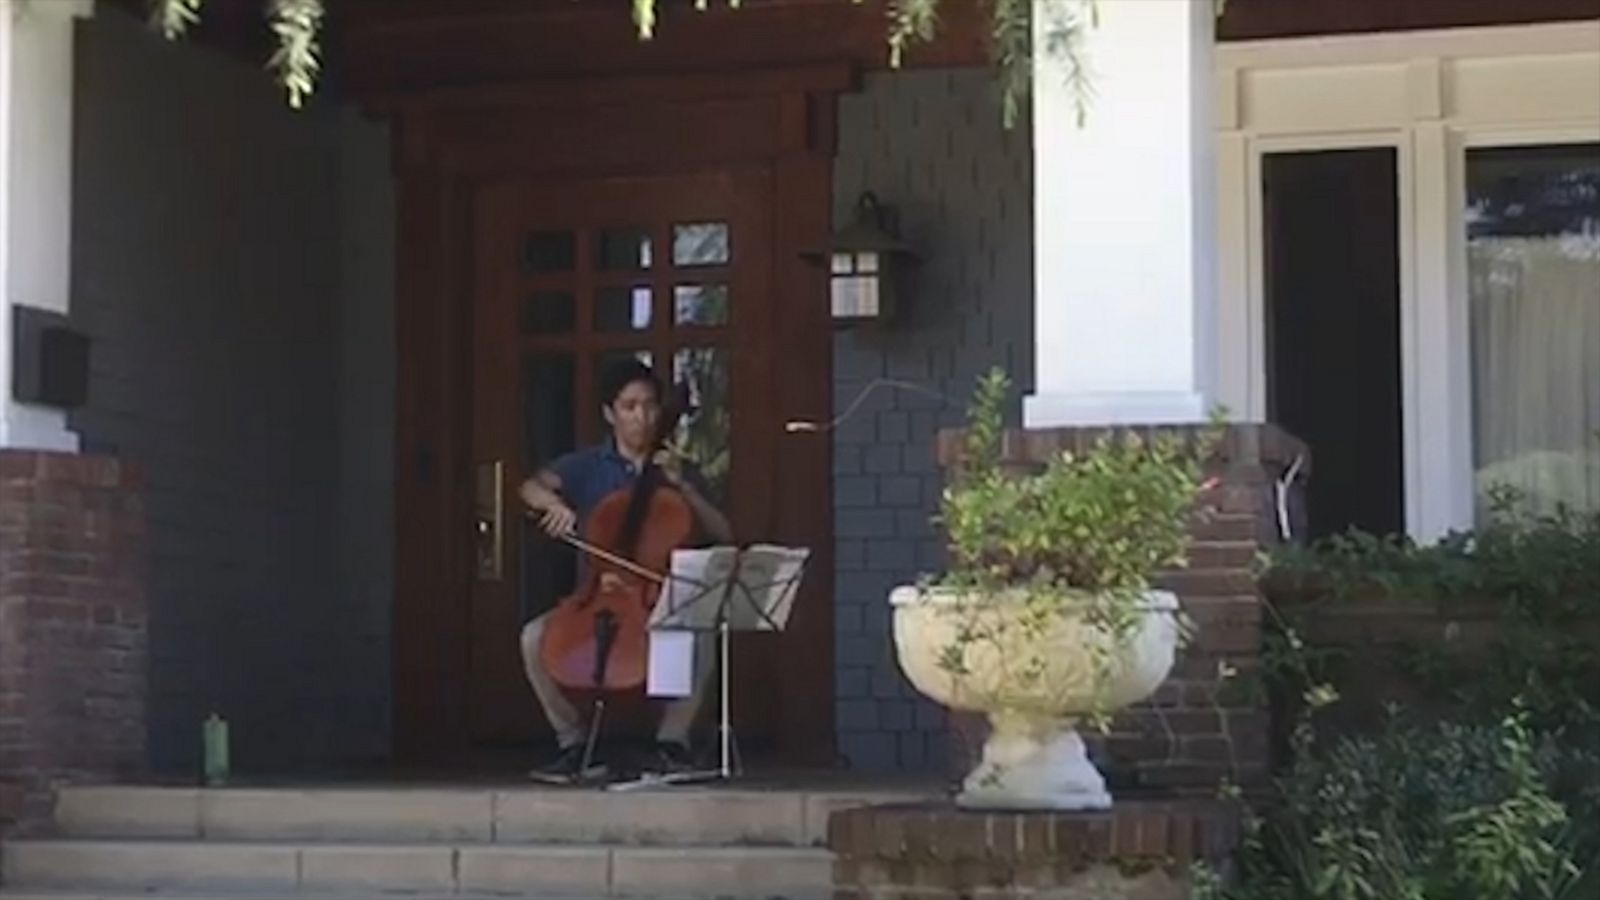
<point x="864" y="260"/>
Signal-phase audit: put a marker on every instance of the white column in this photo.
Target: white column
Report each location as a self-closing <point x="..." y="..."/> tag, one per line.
<point x="36" y="39"/>
<point x="1124" y="221"/>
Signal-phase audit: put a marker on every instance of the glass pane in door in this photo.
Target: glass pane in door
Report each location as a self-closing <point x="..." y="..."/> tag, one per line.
<point x="700" y="244"/>
<point x="548" y="312"/>
<point x="625" y="249"/>
<point x="622" y="308"/>
<point x="700" y="304"/>
<point x="704" y="434"/>
<point x="549" y="251"/>
<point x="548" y="379"/>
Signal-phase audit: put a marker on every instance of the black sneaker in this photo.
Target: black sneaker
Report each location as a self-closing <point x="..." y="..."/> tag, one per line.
<point x="566" y="767"/>
<point x="671" y="757"/>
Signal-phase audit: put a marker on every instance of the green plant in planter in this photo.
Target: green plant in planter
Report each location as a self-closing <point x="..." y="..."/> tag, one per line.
<point x="1081" y="538"/>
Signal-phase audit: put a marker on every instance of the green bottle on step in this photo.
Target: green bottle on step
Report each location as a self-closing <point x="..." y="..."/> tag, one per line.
<point x="214" y="738"/>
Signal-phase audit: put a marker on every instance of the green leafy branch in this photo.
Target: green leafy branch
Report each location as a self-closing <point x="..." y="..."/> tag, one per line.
<point x="297" y="24"/>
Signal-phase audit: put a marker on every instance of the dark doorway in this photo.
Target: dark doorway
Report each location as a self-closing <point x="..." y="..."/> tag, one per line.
<point x="1332" y="276"/>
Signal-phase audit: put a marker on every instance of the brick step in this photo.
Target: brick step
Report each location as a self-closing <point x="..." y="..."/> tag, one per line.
<point x="1198" y="583"/>
<point x="1222" y="554"/>
<point x="521" y="815"/>
<point x="247" y="869"/>
<point x="1227" y="527"/>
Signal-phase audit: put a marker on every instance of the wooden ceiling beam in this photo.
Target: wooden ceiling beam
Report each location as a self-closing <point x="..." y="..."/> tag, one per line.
<point x="386" y="48"/>
<point x="603" y="90"/>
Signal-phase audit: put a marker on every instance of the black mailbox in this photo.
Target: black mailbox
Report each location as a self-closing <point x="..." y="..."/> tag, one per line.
<point x="50" y="361"/>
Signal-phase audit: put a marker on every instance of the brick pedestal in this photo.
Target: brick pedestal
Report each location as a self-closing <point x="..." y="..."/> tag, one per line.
<point x="1197" y="730"/>
<point x="1142" y="850"/>
<point x="72" y="626"/>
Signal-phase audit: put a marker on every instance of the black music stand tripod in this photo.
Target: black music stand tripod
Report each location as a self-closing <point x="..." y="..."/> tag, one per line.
<point x="742" y="599"/>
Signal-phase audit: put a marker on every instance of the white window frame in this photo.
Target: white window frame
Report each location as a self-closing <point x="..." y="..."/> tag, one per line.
<point x="1400" y="143"/>
<point x="1462" y="139"/>
<point x="1394" y="90"/>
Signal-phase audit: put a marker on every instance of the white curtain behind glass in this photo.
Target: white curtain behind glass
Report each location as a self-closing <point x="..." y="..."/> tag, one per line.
<point x="1535" y="306"/>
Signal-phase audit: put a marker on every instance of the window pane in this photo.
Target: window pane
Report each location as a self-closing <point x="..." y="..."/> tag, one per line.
<point x="700" y="304"/>
<point x="623" y="250"/>
<point x="548" y="312"/>
<point x="547" y="395"/>
<point x="1533" y="256"/>
<point x="700" y="244"/>
<point x="703" y="433"/>
<point x="549" y="251"/>
<point x="547" y="426"/>
<point x="622" y="308"/>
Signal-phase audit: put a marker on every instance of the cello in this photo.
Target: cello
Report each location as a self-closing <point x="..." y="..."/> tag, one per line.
<point x="598" y="637"/>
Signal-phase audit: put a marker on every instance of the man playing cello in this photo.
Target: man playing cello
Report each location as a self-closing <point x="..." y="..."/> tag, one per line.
<point x="562" y="496"/>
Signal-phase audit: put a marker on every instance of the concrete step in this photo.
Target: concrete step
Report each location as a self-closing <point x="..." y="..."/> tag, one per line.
<point x="237" y="869"/>
<point x="388" y="814"/>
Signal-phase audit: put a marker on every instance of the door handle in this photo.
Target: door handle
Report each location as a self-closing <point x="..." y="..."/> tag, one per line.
<point x="488" y="520"/>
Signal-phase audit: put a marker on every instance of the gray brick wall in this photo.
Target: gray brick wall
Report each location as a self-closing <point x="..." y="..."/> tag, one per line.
<point x="230" y="262"/>
<point x="931" y="144"/>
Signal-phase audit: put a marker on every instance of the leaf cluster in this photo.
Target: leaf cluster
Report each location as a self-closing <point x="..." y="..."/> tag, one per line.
<point x="1538" y="573"/>
<point x="1426" y="812"/>
<point x="1101" y="521"/>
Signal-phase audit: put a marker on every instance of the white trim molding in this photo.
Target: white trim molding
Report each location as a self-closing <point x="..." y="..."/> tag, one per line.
<point x="36" y="46"/>
<point x="1125" y="325"/>
<point x="1430" y="95"/>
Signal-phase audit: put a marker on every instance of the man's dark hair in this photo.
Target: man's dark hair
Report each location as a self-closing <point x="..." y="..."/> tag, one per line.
<point x="623" y="373"/>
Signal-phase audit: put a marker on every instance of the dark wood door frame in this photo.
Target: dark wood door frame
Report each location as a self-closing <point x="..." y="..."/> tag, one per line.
<point x="739" y="198"/>
<point x="441" y="150"/>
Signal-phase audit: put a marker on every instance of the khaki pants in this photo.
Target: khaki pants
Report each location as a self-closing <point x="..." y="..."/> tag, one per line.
<point x="676" y="720"/>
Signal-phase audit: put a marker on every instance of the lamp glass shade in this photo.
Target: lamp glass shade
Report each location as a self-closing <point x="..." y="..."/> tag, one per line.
<point x="855" y="296"/>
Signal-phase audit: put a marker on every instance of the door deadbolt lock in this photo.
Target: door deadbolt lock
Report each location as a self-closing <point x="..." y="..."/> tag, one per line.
<point x="489" y="520"/>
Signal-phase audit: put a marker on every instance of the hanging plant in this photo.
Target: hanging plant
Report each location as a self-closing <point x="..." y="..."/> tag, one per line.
<point x="297" y="24"/>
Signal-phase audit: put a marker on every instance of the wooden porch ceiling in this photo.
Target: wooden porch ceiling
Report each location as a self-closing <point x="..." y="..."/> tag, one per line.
<point x="377" y="50"/>
<point x="389" y="47"/>
<point x="398" y="46"/>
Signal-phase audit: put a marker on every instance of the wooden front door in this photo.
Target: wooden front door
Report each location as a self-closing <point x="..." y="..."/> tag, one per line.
<point x="570" y="276"/>
<point x="545" y="229"/>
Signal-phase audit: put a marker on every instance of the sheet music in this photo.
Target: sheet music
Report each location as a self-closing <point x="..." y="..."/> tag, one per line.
<point x="769" y="578"/>
<point x="671" y="672"/>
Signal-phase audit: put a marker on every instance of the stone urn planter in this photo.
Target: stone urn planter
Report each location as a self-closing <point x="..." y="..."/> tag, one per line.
<point x="1035" y="677"/>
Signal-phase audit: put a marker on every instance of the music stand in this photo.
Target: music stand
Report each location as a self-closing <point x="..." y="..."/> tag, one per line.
<point x="732" y="596"/>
